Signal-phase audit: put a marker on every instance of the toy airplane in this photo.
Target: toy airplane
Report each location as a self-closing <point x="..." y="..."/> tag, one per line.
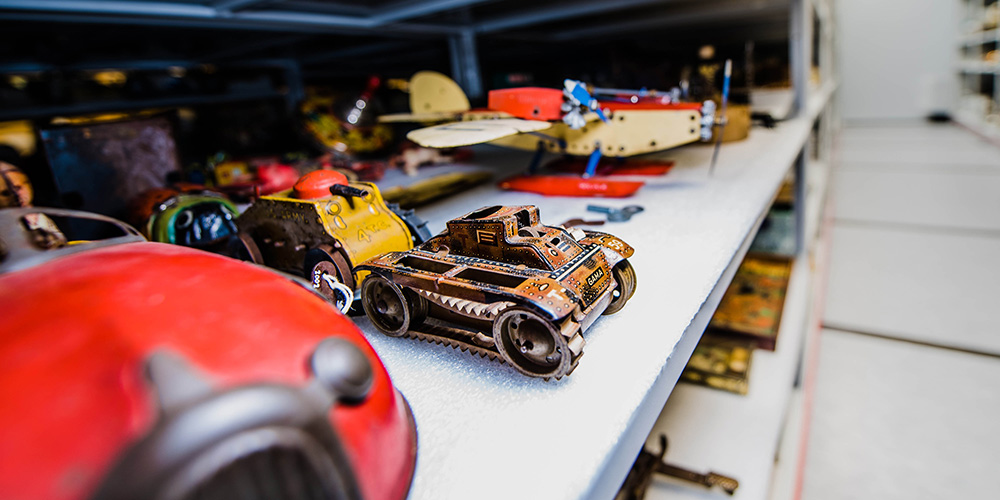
<point x="570" y="121"/>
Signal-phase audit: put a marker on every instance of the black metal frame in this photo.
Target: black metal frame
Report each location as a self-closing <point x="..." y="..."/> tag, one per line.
<point x="389" y="27"/>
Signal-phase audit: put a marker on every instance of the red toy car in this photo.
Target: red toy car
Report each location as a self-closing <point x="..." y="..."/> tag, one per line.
<point x="144" y="370"/>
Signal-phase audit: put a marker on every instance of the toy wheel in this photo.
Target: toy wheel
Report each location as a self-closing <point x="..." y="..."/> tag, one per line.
<point x="325" y="281"/>
<point x="531" y="343"/>
<point x="624" y="275"/>
<point x="418" y="308"/>
<point x="386" y="305"/>
<point x="325" y="261"/>
<point x="417" y="226"/>
<point x="243" y="247"/>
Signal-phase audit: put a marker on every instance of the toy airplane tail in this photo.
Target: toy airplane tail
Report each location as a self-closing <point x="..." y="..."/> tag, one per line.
<point x="433" y="97"/>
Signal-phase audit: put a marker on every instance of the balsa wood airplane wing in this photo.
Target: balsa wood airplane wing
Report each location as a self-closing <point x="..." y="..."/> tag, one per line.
<point x="430" y="117"/>
<point x="452" y="135"/>
<point x="443" y="116"/>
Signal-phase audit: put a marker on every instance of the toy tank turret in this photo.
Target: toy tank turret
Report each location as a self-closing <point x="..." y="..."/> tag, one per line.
<point x="499" y="283"/>
<point x="323" y="227"/>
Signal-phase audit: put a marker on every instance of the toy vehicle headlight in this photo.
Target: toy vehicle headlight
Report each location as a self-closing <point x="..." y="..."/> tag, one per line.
<point x="342" y="370"/>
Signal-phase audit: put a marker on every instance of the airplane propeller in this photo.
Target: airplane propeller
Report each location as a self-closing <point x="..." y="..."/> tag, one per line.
<point x="722" y="113"/>
<point x="577" y="95"/>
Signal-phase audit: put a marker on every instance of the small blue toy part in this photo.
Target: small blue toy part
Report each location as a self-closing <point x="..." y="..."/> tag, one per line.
<point x="727" y="75"/>
<point x="578" y="91"/>
<point x="595" y="158"/>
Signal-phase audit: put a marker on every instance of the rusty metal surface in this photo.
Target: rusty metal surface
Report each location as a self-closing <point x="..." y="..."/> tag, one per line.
<point x="15" y="187"/>
<point x="504" y="284"/>
<point x="98" y="168"/>
<point x="647" y="464"/>
<point x="21" y="247"/>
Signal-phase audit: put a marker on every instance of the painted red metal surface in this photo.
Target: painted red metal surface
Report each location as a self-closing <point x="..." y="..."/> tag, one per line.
<point x="558" y="185"/>
<point x="538" y="103"/>
<point x="529" y="103"/>
<point x="274" y="177"/>
<point x="628" y="106"/>
<point x="76" y="331"/>
<point x="611" y="166"/>
<point x="317" y="184"/>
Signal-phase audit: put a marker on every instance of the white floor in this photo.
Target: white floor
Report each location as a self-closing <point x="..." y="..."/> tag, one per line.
<point x="907" y="394"/>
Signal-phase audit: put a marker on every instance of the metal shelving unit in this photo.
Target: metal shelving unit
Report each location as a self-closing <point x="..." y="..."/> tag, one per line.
<point x="742" y="435"/>
<point x="480" y="423"/>
<point x="979" y="68"/>
<point x="484" y="430"/>
<point x="759" y="438"/>
<point x="315" y="35"/>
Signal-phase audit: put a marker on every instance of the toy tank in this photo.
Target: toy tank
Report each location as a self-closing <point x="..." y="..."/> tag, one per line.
<point x="322" y="228"/>
<point x="499" y="283"/>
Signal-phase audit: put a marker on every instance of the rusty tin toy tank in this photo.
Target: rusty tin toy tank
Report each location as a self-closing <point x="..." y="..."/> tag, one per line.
<point x="322" y="228"/>
<point x="498" y="283"/>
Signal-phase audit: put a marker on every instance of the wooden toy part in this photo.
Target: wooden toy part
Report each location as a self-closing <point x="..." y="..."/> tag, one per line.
<point x="432" y="92"/>
<point x="628" y="133"/>
<point x="452" y="135"/>
<point x="737" y="124"/>
<point x="420" y="117"/>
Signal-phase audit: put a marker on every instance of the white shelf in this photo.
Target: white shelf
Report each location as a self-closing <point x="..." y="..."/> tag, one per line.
<point x="732" y="434"/>
<point x="980" y="67"/>
<point x="979" y="37"/>
<point x="486" y="431"/>
<point x="977" y="124"/>
<point x="756" y="438"/>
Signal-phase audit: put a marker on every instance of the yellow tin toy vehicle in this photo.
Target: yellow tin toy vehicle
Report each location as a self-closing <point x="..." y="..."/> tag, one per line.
<point x="322" y="228"/>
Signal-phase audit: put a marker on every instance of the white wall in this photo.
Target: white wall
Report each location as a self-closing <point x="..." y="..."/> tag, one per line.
<point x="896" y="57"/>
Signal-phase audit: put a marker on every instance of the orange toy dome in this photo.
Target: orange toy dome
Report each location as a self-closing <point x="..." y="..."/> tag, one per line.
<point x="317" y="184"/>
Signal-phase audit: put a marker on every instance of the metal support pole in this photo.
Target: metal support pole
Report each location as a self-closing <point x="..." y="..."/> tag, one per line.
<point x="296" y="88"/>
<point x="801" y="162"/>
<point x="465" y="62"/>
<point x="800" y="50"/>
<point x="234" y="5"/>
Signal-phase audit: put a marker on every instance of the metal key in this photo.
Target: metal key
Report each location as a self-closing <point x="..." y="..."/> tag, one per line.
<point x="616" y="214"/>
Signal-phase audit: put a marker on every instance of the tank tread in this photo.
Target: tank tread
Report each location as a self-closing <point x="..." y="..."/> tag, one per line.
<point x="570" y="330"/>
<point x="473" y="342"/>
<point x="469" y="308"/>
<point x="457" y="338"/>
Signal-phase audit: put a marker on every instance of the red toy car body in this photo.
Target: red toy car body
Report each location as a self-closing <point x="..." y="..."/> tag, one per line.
<point x="144" y="370"/>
